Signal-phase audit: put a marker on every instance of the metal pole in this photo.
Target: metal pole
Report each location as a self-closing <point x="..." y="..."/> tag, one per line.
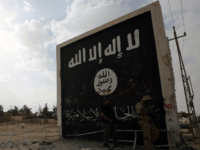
<point x="9" y="138"/>
<point x="183" y="69"/>
<point x="135" y="140"/>
<point x="198" y="134"/>
<point x="45" y="133"/>
<point x="172" y="135"/>
<point x="26" y="138"/>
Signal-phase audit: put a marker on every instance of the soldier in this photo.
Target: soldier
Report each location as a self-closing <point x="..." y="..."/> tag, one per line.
<point x="150" y="131"/>
<point x="108" y="118"/>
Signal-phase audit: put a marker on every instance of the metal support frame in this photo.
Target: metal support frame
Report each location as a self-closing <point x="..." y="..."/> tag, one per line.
<point x="134" y="145"/>
<point x="189" y="95"/>
<point x="185" y="145"/>
<point x="9" y="141"/>
<point x="178" y="37"/>
<point x="26" y="139"/>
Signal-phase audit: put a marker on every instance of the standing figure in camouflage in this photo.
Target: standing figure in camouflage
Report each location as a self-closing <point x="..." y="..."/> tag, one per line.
<point x="108" y="120"/>
<point x="150" y="131"/>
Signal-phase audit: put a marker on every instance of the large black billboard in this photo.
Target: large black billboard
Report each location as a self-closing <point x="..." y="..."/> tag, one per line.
<point x="118" y="63"/>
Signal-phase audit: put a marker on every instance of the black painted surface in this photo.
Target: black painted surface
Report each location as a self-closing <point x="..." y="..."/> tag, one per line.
<point x="140" y="65"/>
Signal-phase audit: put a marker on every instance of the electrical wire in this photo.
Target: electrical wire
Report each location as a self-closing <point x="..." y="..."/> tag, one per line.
<point x="183" y="39"/>
<point x="171" y="13"/>
<point x="182" y="46"/>
<point x="182" y="16"/>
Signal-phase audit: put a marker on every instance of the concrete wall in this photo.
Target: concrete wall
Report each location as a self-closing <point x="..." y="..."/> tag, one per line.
<point x="164" y="62"/>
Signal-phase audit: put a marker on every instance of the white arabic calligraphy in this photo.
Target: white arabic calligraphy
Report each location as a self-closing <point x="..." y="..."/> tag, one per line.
<point x="137" y="41"/>
<point x="77" y="61"/>
<point x="99" y="50"/>
<point x="110" y="50"/>
<point x="97" y="114"/>
<point x="105" y="82"/>
<point x="94" y="57"/>
<point x="84" y="57"/>
<point x="118" y="44"/>
<point x="133" y="115"/>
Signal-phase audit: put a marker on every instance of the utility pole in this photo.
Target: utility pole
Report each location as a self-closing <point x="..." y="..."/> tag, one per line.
<point x="189" y="95"/>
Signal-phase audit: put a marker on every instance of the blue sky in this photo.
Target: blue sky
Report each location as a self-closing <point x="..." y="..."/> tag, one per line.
<point x="31" y="29"/>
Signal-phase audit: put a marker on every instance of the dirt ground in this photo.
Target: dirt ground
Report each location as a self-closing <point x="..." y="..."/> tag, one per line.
<point x="188" y="136"/>
<point x="39" y="135"/>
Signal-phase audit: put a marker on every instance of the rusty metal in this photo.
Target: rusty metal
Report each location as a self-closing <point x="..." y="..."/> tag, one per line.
<point x="191" y="86"/>
<point x="178" y="37"/>
<point x="188" y="94"/>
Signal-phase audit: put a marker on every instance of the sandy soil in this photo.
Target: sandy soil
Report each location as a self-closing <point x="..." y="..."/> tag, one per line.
<point x="188" y="136"/>
<point x="37" y="135"/>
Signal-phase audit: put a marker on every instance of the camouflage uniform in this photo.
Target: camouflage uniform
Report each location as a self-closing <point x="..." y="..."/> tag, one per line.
<point x="109" y="129"/>
<point x="150" y="132"/>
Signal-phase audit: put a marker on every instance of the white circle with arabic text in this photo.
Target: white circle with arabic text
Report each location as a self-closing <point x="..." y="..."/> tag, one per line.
<point x="105" y="82"/>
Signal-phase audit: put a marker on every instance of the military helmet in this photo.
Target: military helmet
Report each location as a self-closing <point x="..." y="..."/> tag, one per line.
<point x="146" y="98"/>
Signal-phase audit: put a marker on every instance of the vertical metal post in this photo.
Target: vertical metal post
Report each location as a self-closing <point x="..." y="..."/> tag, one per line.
<point x="26" y="138"/>
<point x="45" y="133"/>
<point x="135" y="140"/>
<point x="9" y="138"/>
<point x="172" y="135"/>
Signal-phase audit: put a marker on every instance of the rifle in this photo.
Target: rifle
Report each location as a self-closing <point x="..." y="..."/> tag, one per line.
<point x="154" y="118"/>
